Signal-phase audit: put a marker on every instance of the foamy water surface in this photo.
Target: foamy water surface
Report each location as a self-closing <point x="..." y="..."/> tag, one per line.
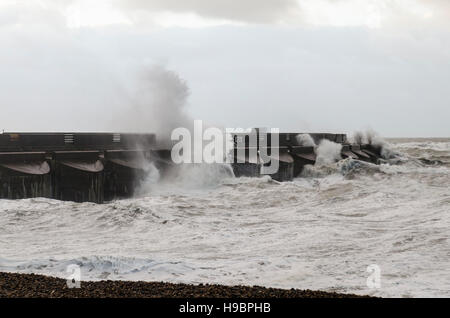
<point x="320" y="231"/>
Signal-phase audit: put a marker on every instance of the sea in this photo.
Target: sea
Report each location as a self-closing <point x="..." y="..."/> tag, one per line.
<point x="348" y="226"/>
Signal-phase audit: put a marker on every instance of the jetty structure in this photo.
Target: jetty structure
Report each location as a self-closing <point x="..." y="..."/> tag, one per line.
<point x="293" y="154"/>
<point x="99" y="167"/>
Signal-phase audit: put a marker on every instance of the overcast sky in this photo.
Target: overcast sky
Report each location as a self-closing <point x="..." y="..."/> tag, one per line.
<point x="307" y="65"/>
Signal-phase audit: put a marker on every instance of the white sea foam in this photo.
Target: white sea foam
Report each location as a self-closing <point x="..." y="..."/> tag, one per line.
<point x="328" y="152"/>
<point x="320" y="231"/>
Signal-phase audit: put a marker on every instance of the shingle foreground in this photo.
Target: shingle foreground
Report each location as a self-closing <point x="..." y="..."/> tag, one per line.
<point x="32" y="285"/>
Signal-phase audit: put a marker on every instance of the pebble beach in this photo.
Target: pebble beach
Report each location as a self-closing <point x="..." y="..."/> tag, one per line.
<point x="14" y="285"/>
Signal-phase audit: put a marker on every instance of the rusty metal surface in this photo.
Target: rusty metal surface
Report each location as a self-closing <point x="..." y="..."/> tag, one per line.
<point x="77" y="155"/>
<point x="75" y="184"/>
<point x="349" y="154"/>
<point x="130" y="163"/>
<point x="282" y="157"/>
<point x="32" y="168"/>
<point x="307" y="153"/>
<point x="361" y="153"/>
<point x="19" y="141"/>
<point x="128" y="158"/>
<point x="83" y="165"/>
<point x="370" y="153"/>
<point x="22" y="156"/>
<point x="308" y="156"/>
<point x="16" y="185"/>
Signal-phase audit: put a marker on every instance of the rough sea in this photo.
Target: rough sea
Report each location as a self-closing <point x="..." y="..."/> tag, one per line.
<point x="320" y="231"/>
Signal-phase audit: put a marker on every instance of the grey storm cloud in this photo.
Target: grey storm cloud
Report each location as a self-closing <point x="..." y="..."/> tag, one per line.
<point x="257" y="11"/>
<point x="58" y="77"/>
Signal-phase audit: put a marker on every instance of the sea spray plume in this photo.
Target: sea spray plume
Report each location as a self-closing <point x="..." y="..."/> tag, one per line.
<point x="371" y="135"/>
<point x="305" y="140"/>
<point x="372" y="138"/>
<point x="357" y="138"/>
<point x="385" y="149"/>
<point x="328" y="152"/>
<point x="158" y="104"/>
<point x="152" y="177"/>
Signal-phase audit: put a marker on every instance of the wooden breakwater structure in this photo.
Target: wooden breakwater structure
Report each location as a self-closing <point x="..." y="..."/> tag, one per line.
<point x="79" y="167"/>
<point x="253" y="149"/>
<point x="98" y="167"/>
